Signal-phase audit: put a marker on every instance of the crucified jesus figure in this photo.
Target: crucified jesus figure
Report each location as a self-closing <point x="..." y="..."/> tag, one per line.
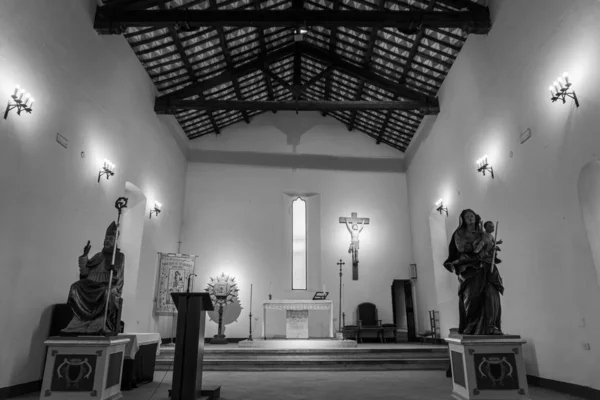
<point x="355" y="226"/>
<point x="354" y="241"/>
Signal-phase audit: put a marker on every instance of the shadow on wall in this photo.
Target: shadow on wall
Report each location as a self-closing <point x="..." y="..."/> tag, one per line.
<point x="131" y="243"/>
<point x="588" y="187"/>
<point x="37" y="349"/>
<point x="293" y="131"/>
<point x="446" y="283"/>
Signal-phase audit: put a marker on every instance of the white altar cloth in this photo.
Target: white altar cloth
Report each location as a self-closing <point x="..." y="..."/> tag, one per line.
<point x="297" y="305"/>
<point x="139" y="339"/>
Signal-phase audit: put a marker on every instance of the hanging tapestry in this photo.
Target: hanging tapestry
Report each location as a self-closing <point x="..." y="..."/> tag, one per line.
<point x="173" y="273"/>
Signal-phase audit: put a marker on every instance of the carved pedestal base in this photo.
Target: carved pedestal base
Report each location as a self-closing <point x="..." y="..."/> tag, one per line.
<point x="487" y="367"/>
<point x="83" y="368"/>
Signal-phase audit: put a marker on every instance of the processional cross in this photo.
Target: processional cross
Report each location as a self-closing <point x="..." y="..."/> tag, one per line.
<point x="352" y="224"/>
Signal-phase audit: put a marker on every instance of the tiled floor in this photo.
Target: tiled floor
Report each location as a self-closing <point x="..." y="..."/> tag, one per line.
<point x="321" y="385"/>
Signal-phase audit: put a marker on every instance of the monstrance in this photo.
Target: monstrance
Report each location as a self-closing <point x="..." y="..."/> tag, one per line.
<point x="223" y="290"/>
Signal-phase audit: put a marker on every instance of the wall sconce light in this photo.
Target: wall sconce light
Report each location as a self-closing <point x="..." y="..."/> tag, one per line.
<point x="18" y="102"/>
<point x="107" y="169"/>
<point x="440" y="207"/>
<point x="482" y="166"/>
<point x="156" y="209"/>
<point x="560" y="89"/>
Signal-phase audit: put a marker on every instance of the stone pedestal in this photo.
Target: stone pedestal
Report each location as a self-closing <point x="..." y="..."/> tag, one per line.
<point x="487" y="367"/>
<point x="296" y="326"/>
<point x="83" y="367"/>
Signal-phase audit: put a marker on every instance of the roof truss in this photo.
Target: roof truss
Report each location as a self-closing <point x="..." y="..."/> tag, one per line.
<point x="375" y="65"/>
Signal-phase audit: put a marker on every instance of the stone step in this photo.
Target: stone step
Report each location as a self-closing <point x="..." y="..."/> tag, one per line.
<point x="311" y="365"/>
<point x="296" y="357"/>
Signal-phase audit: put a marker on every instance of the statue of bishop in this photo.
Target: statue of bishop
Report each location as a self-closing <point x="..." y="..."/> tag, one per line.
<point x="87" y="296"/>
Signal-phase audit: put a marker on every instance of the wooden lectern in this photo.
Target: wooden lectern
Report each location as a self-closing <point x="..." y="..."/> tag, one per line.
<point x="189" y="345"/>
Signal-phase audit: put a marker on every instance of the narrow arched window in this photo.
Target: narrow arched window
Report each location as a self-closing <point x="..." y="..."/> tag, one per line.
<point x="299" y="269"/>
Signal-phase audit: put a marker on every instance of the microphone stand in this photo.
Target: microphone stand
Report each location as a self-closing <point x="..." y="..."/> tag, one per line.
<point x="189" y="278"/>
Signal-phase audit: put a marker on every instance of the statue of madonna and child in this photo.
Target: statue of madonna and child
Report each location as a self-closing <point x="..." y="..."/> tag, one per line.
<point x="471" y="252"/>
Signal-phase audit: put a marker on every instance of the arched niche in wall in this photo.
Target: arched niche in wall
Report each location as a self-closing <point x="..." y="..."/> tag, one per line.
<point x="446" y="285"/>
<point x="588" y="187"/>
<point x="132" y="229"/>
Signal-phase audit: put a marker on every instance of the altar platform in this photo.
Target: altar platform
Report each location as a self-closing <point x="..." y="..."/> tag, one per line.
<point x="309" y="357"/>
<point x="297" y="344"/>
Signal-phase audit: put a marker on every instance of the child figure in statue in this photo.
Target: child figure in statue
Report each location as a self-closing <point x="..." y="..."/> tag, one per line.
<point x="87" y="297"/>
<point x="480" y="285"/>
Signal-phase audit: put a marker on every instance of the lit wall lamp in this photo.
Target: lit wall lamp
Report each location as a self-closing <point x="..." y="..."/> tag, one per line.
<point x="18" y="102"/>
<point x="156" y="209"/>
<point x="482" y="166"/>
<point x="440" y="207"/>
<point x="107" y="169"/>
<point x="559" y="90"/>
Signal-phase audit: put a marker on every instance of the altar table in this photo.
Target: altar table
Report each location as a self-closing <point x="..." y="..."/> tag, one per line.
<point x="140" y="358"/>
<point x="297" y="305"/>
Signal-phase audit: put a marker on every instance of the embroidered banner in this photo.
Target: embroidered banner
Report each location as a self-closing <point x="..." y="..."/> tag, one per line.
<point x="173" y="273"/>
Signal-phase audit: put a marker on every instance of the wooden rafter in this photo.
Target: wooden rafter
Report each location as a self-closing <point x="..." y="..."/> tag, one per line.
<point x="367" y="58"/>
<point x="367" y="75"/>
<point x="115" y="21"/>
<point x="263" y="49"/>
<point x="332" y="44"/>
<point x="229" y="61"/>
<point x="405" y="70"/>
<point x="190" y="71"/>
<point x="175" y="105"/>
<point x="236" y="72"/>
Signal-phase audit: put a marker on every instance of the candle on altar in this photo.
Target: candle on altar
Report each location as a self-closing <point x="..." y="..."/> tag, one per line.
<point x="324" y="288"/>
<point x="269" y="287"/>
<point x="250" y="297"/>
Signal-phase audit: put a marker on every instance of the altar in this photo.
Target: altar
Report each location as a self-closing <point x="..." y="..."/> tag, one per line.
<point x="296" y="315"/>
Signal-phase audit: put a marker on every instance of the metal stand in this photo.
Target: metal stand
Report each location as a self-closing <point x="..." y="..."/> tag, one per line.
<point x="250" y="333"/>
<point x="340" y="263"/>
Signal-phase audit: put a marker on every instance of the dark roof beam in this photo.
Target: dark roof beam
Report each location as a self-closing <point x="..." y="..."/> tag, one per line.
<point x="263" y="48"/>
<point x="228" y="59"/>
<point x="189" y="69"/>
<point x="292" y="89"/>
<point x="405" y="68"/>
<point x="244" y="69"/>
<point x="116" y="21"/>
<point x="369" y="76"/>
<point x="170" y="106"/>
<point x="316" y="78"/>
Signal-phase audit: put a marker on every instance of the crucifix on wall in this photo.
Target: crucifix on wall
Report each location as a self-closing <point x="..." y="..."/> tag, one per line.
<point x="355" y="226"/>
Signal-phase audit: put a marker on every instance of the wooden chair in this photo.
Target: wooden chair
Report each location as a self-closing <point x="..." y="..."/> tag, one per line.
<point x="366" y="314"/>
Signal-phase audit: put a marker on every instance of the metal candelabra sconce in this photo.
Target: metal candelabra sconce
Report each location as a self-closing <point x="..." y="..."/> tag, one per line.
<point x="107" y="169"/>
<point x="18" y="102"/>
<point x="440" y="207"/>
<point x="483" y="165"/>
<point x="559" y="90"/>
<point x="156" y="210"/>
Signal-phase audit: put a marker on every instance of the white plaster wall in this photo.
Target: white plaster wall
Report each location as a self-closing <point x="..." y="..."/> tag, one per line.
<point x="497" y="88"/>
<point x="94" y="91"/>
<point x="233" y="221"/>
